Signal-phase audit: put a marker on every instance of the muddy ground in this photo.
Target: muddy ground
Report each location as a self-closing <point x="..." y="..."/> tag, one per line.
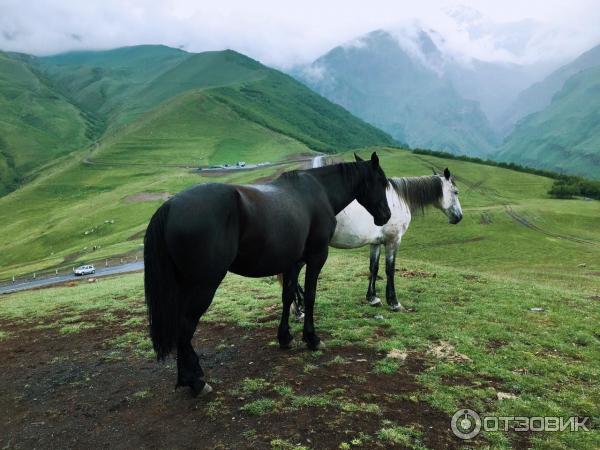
<point x="74" y="391"/>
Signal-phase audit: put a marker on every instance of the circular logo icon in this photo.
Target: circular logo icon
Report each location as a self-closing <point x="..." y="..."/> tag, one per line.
<point x="466" y="423"/>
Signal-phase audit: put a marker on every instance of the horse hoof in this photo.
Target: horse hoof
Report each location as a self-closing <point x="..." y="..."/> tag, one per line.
<point x="286" y="345"/>
<point x="375" y="301"/>
<point x="318" y="346"/>
<point x="397" y="307"/>
<point x="207" y="389"/>
<point x="197" y="392"/>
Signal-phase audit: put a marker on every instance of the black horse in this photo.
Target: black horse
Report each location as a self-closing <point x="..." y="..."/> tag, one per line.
<point x="200" y="234"/>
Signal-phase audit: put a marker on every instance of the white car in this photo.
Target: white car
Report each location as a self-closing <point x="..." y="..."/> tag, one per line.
<point x="84" y="270"/>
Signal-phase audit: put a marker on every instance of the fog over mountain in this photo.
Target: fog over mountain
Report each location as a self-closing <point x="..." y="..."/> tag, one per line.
<point x="413" y="84"/>
<point x="285" y="34"/>
<point x="492" y="79"/>
<point x="410" y="82"/>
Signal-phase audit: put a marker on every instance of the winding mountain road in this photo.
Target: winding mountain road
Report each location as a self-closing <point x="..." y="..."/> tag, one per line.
<point x="9" y="288"/>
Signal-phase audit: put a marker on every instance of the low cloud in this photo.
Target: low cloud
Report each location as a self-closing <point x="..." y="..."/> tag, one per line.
<point x="284" y="34"/>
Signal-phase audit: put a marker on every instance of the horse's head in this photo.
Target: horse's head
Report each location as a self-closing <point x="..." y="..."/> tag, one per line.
<point x="372" y="191"/>
<point x="449" y="202"/>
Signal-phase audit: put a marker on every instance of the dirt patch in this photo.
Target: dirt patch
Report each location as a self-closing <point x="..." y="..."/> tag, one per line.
<point x="147" y="197"/>
<point x="595" y="298"/>
<point x="406" y="273"/>
<point x="77" y="391"/>
<point x="495" y="344"/>
<point x="471" y="381"/>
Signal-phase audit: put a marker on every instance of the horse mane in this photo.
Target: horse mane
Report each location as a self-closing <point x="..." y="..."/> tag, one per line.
<point x="351" y="170"/>
<point x="418" y="192"/>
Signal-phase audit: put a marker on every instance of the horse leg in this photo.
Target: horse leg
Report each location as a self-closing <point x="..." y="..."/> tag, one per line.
<point x="288" y="295"/>
<point x="390" y="268"/>
<point x="298" y="304"/>
<point x="313" y="268"/>
<point x="189" y="372"/>
<point x="373" y="269"/>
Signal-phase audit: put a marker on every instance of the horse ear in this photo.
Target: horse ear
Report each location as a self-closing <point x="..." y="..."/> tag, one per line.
<point x="375" y="159"/>
<point x="446" y="174"/>
<point x="358" y="158"/>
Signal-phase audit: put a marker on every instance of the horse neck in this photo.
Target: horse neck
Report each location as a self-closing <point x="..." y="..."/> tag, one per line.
<point x="417" y="192"/>
<point x="340" y="182"/>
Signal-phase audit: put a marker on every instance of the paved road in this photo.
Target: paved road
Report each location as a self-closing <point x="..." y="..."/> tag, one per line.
<point x="8" y="288"/>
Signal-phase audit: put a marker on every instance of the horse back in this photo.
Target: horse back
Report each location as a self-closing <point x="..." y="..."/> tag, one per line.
<point x="202" y="228"/>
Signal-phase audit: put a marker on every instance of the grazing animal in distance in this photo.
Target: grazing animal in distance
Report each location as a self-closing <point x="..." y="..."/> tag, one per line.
<point x="200" y="234"/>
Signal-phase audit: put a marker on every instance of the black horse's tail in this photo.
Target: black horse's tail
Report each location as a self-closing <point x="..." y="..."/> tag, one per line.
<point x="160" y="285"/>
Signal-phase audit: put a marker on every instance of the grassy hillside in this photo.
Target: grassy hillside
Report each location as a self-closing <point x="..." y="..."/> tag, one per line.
<point x="57" y="210"/>
<point x="104" y="82"/>
<point x="150" y="104"/>
<point x="471" y="338"/>
<point x="118" y="86"/>
<point x="196" y="128"/>
<point x="565" y="136"/>
<point x="37" y="124"/>
<point x="539" y="95"/>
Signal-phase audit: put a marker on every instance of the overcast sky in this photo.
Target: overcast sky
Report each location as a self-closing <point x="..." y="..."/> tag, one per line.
<point x="283" y="33"/>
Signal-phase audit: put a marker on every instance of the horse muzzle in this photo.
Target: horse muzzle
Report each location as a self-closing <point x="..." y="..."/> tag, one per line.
<point x="455" y="218"/>
<point x="381" y="220"/>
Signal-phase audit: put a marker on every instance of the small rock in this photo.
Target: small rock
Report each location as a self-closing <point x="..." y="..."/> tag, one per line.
<point x="537" y="309"/>
<point x="446" y="351"/>
<point x="582" y="265"/>
<point x="378" y="317"/>
<point x="92" y="280"/>
<point x="505" y="396"/>
<point x="361" y="360"/>
<point x="397" y="354"/>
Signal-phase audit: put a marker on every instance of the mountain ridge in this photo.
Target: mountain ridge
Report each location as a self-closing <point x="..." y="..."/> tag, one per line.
<point x="102" y="92"/>
<point x="380" y="81"/>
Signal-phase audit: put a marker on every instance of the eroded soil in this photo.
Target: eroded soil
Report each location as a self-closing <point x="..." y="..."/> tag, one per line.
<point x="75" y="390"/>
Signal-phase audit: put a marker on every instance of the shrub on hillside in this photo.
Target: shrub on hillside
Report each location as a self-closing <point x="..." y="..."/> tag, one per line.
<point x="562" y="190"/>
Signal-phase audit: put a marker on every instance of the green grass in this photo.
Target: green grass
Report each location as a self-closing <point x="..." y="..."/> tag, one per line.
<point x="37" y="124"/>
<point x="58" y="208"/>
<point x="550" y="361"/>
<point x="407" y="437"/>
<point x="259" y="407"/>
<point x="196" y="129"/>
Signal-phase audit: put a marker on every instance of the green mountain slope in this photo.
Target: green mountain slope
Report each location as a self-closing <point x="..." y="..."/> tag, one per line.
<point x="539" y="95"/>
<point x="199" y="104"/>
<point x="104" y="82"/>
<point x="37" y="124"/>
<point x="119" y="85"/>
<point x="382" y="83"/>
<point x="565" y="136"/>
